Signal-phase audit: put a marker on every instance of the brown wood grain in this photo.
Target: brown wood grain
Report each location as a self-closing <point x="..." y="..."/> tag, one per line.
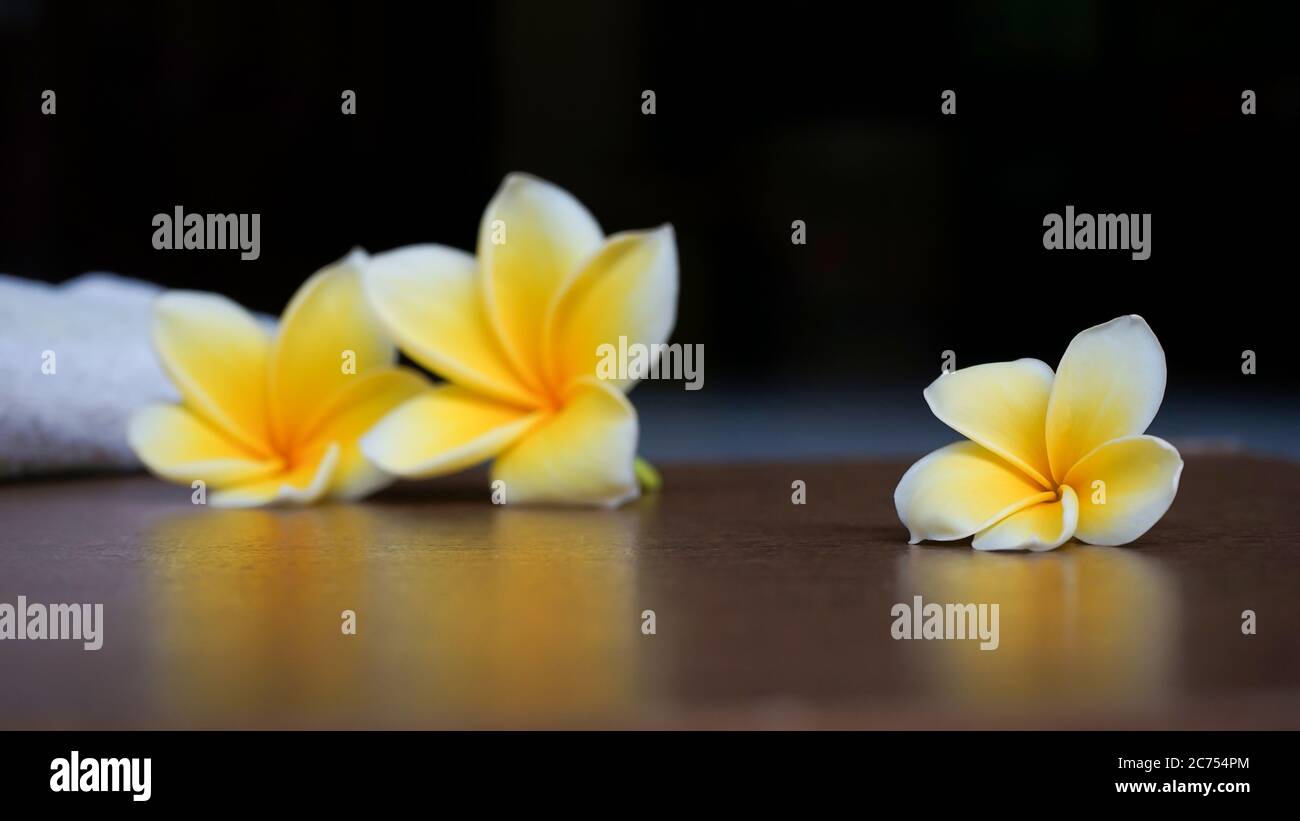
<point x="768" y="614"/>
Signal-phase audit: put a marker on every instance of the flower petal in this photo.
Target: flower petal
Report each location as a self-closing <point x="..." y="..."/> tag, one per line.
<point x="582" y="455"/>
<point x="1002" y="406"/>
<point x="329" y="338"/>
<point x="443" y="430"/>
<point x="429" y="298"/>
<point x="1109" y="385"/>
<point x="178" y="445"/>
<point x="305" y="483"/>
<point x="959" y="490"/>
<point x="1140" y="479"/>
<point x="366" y="401"/>
<point x="1044" y="526"/>
<point x="548" y="235"/>
<point x="628" y="289"/>
<point x="216" y="355"/>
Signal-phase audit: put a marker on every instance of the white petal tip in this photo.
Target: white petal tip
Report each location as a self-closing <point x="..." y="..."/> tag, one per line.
<point x="373" y="451"/>
<point x="517" y="179"/>
<point x="1045" y="548"/>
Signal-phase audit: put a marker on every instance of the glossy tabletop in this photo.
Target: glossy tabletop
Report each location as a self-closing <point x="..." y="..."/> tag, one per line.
<point x="766" y="613"/>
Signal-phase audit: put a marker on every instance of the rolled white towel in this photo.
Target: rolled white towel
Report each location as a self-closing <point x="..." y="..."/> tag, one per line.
<point x="75" y="360"/>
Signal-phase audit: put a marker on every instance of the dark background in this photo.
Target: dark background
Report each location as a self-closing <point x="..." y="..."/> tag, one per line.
<point x="924" y="231"/>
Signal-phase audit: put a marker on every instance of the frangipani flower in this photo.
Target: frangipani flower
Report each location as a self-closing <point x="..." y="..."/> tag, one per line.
<point x="1049" y="456"/>
<point x="272" y="417"/>
<point x="515" y="333"/>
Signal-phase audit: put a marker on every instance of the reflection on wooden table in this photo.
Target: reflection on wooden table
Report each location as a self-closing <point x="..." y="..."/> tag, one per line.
<point x="767" y="614"/>
<point x="506" y="617"/>
<point x="1090" y="626"/>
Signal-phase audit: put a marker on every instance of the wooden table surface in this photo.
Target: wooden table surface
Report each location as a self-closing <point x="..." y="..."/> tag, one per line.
<point x="768" y="614"/>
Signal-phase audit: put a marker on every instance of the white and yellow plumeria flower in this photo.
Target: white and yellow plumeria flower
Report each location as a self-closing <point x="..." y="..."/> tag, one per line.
<point x="515" y="333"/>
<point x="1050" y="457"/>
<point x="275" y="417"/>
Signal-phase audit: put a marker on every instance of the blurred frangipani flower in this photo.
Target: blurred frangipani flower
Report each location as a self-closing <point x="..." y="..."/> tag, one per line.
<point x="515" y="332"/>
<point x="266" y="417"/>
<point x="1049" y="456"/>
